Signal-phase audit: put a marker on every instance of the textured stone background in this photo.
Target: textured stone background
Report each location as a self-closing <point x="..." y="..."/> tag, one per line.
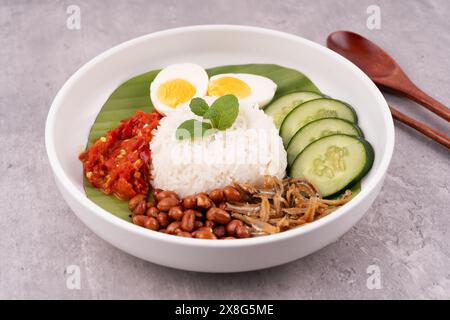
<point x="405" y="233"/>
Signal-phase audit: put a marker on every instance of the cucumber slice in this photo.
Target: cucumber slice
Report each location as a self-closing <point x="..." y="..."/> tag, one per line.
<point x="282" y="106"/>
<point x="334" y="163"/>
<point x="318" y="129"/>
<point x="313" y="110"/>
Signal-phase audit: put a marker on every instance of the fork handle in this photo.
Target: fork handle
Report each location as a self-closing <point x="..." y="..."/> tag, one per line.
<point x="421" y="127"/>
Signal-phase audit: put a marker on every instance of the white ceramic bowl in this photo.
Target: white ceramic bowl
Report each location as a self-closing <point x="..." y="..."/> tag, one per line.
<point x="79" y="100"/>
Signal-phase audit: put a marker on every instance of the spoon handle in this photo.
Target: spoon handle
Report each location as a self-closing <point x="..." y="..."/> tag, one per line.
<point x="411" y="91"/>
<point x="421" y="127"/>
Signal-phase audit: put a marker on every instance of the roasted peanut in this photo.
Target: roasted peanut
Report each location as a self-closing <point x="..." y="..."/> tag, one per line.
<point x="187" y="223"/>
<point x="140" y="220"/>
<point x="156" y="191"/>
<point x="140" y="209"/>
<point x="176" y="213"/>
<point x="232" y="225"/>
<point x="138" y="204"/>
<point x="163" y="219"/>
<point x="152" y="224"/>
<point x="216" y="195"/>
<point x="178" y="217"/>
<point x="219" y="231"/>
<point x="202" y="201"/>
<point x="218" y="215"/>
<point x="210" y="224"/>
<point x="189" y="202"/>
<point x="204" y="229"/>
<point x="184" y="234"/>
<point x="166" y="194"/>
<point x="242" y="232"/>
<point x="166" y="203"/>
<point x="203" y="234"/>
<point x="231" y="194"/>
<point x="133" y="202"/>
<point x="152" y="212"/>
<point x="173" y="227"/>
<point x="197" y="214"/>
<point x="197" y="224"/>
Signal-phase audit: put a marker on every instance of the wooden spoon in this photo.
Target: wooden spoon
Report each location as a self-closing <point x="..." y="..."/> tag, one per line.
<point x="382" y="69"/>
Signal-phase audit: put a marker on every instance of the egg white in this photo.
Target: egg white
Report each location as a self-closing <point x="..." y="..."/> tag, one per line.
<point x="262" y="88"/>
<point x="190" y="72"/>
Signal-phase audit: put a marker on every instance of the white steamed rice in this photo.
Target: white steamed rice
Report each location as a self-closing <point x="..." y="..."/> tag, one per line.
<point x="246" y="152"/>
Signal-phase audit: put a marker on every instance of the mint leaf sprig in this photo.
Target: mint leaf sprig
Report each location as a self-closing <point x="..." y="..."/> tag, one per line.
<point x="220" y="116"/>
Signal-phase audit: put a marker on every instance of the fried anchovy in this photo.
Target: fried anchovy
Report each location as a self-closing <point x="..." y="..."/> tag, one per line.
<point x="257" y="224"/>
<point x="246" y="208"/>
<point x="264" y="192"/>
<point x="264" y="213"/>
<point x="294" y="211"/>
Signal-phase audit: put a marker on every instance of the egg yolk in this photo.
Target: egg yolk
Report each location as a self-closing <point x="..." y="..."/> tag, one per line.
<point x="229" y="85"/>
<point x="175" y="92"/>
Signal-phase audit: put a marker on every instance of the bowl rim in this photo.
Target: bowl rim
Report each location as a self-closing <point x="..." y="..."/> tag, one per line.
<point x="101" y="213"/>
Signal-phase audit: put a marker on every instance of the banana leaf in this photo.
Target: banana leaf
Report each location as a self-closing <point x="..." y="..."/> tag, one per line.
<point x="135" y="94"/>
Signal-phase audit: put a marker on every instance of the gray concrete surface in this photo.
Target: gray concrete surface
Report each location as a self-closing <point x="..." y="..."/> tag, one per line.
<point x="405" y="233"/>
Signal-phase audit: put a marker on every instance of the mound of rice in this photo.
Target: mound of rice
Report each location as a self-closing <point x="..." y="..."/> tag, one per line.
<point x="246" y="152"/>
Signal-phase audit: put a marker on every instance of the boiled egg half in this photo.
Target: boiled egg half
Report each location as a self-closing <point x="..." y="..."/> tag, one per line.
<point x="250" y="89"/>
<point x="176" y="85"/>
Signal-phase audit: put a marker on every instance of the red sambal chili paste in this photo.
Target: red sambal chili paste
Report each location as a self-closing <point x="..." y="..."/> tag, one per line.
<point x="119" y="162"/>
